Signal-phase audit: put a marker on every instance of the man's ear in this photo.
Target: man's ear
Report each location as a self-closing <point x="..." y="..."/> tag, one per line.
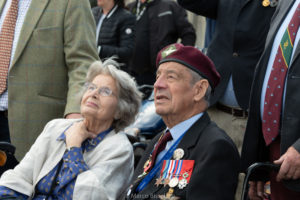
<point x="200" y="89"/>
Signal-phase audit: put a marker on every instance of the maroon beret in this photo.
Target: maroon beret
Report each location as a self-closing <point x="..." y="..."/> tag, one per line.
<point x="192" y="58"/>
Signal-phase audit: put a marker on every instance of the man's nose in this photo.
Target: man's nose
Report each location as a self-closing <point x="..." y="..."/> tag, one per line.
<point x="160" y="82"/>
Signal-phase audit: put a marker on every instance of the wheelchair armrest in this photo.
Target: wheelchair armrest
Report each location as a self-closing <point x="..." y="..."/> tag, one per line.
<point x="255" y="172"/>
<point x="7" y="147"/>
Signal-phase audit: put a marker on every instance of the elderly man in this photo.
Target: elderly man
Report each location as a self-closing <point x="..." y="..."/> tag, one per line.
<point x="193" y="159"/>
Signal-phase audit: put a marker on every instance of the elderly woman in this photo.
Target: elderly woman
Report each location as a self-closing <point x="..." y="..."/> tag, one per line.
<point x="82" y="158"/>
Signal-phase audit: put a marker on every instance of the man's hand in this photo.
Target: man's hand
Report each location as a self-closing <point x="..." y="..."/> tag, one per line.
<point x="73" y="116"/>
<point x="290" y="165"/>
<point x="256" y="190"/>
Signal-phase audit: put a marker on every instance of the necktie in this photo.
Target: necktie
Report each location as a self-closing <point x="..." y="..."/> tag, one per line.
<point x="160" y="146"/>
<point x="274" y="91"/>
<point x="6" y="41"/>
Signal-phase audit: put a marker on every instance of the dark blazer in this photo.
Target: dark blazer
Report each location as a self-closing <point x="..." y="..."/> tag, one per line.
<point x="216" y="166"/>
<point x="116" y="35"/>
<point x="254" y="149"/>
<point x="238" y="41"/>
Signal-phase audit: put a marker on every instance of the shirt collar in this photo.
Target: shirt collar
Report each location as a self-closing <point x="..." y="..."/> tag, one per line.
<point x="88" y="144"/>
<point x="182" y="127"/>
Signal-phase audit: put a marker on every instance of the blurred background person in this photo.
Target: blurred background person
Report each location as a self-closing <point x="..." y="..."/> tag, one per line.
<point x="115" y="30"/>
<point x="47" y="49"/>
<point x="158" y="24"/>
<point x="82" y="158"/>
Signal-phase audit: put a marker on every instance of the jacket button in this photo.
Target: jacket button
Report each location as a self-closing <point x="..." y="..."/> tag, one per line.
<point x="235" y="54"/>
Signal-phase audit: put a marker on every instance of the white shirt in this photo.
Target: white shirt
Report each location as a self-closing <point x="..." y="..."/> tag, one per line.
<point x="275" y="46"/>
<point x="22" y="11"/>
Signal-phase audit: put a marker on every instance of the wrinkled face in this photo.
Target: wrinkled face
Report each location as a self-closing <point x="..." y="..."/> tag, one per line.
<point x="173" y="92"/>
<point x="97" y="102"/>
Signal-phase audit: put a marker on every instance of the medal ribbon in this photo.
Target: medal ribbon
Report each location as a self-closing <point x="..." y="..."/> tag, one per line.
<point x="157" y="166"/>
<point x="171" y="169"/>
<point x="179" y="163"/>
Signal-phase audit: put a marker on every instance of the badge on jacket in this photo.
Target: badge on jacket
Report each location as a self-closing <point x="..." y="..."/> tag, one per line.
<point x="271" y="3"/>
<point x="175" y="173"/>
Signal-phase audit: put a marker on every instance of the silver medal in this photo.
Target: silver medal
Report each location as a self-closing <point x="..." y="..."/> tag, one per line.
<point x="182" y="184"/>
<point x="178" y="154"/>
<point x="173" y="182"/>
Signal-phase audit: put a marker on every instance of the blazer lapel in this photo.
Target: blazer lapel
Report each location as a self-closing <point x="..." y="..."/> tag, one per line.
<point x="279" y="15"/>
<point x="296" y="54"/>
<point x="52" y="161"/>
<point x="33" y="15"/>
<point x="245" y="2"/>
<point x="191" y="137"/>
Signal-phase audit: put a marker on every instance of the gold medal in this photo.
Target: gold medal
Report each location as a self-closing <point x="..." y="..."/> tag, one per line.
<point x="170" y="192"/>
<point x="178" y="154"/>
<point x="169" y="195"/>
<point x="265" y="3"/>
<point x="173" y="182"/>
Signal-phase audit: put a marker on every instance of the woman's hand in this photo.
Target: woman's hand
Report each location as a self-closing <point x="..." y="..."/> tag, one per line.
<point x="78" y="133"/>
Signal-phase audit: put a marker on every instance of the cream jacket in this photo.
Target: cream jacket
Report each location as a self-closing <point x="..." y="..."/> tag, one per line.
<point x="110" y="163"/>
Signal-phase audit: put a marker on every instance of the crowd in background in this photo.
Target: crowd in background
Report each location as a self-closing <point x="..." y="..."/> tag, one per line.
<point x="243" y="84"/>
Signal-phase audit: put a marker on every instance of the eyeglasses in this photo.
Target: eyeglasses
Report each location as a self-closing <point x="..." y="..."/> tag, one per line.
<point x="103" y="91"/>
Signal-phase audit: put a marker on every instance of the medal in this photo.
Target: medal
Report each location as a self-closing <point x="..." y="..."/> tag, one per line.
<point x="182" y="184"/>
<point x="185" y="175"/>
<point x="147" y="165"/>
<point x="178" y="154"/>
<point x="158" y="181"/>
<point x="265" y="3"/>
<point x="141" y="175"/>
<point x="169" y="195"/>
<point x="173" y="182"/>
<point x="166" y="181"/>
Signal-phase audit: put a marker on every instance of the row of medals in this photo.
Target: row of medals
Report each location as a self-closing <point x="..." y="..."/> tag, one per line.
<point x="173" y="182"/>
<point x="271" y="3"/>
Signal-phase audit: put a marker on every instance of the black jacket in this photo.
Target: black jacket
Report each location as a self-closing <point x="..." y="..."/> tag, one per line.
<point x="238" y="41"/>
<point x="167" y="23"/>
<point x="116" y="35"/>
<point x="216" y="167"/>
<point x="254" y="148"/>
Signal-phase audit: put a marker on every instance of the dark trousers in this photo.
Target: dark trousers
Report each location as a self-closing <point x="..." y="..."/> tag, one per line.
<point x="4" y="129"/>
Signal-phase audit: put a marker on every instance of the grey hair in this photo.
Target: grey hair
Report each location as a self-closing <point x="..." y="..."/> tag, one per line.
<point x="197" y="77"/>
<point x="129" y="95"/>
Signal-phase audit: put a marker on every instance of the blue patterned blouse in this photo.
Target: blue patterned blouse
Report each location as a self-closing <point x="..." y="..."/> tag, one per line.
<point x="72" y="165"/>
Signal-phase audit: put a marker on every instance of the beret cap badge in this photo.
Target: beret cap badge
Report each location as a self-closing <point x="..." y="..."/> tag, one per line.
<point x="168" y="51"/>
